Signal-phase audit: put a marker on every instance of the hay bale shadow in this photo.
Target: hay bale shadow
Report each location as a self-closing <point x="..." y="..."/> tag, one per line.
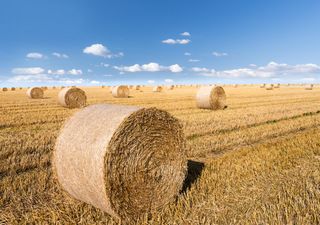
<point x="194" y="171"/>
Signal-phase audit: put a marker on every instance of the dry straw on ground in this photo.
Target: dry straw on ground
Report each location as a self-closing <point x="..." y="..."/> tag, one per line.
<point x="157" y="89"/>
<point x="125" y="160"/>
<point x="121" y="91"/>
<point x="210" y="97"/>
<point x="72" y="97"/>
<point x="35" y="92"/>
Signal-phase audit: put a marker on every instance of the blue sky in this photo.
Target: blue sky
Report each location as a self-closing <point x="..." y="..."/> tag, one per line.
<point x="91" y="42"/>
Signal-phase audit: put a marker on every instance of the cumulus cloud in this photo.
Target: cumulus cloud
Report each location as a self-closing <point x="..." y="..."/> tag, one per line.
<point x="35" y="55"/>
<point x="272" y="69"/>
<point x="101" y="50"/>
<point x="185" y="33"/>
<point x="176" y="41"/>
<point x="168" y="80"/>
<point x="219" y="54"/>
<point x="150" y="67"/>
<point x="28" y="70"/>
<point x="97" y="50"/>
<point x="75" y="72"/>
<point x="60" y="55"/>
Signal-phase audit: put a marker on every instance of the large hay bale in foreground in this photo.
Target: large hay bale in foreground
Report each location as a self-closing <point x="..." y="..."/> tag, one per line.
<point x="121" y="91"/>
<point x="157" y="89"/>
<point x="309" y="87"/>
<point x="269" y="87"/>
<point x="210" y="97"/>
<point x="125" y="160"/>
<point x="4" y="89"/>
<point x="72" y="97"/>
<point x="35" y="92"/>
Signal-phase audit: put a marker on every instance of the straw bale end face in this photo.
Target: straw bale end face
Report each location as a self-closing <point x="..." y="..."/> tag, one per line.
<point x="121" y="91"/>
<point x="210" y="97"/>
<point x="35" y="92"/>
<point x="72" y="97"/>
<point x="125" y="160"/>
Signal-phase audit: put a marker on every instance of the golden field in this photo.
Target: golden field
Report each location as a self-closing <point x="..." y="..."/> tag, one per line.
<point x="256" y="162"/>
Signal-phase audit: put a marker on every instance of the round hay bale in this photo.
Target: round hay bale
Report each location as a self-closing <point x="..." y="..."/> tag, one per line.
<point x="262" y="85"/>
<point x="54" y="87"/>
<point x="72" y="97"/>
<point x="103" y="86"/>
<point x="4" y="89"/>
<point x="129" y="161"/>
<point x="276" y="86"/>
<point x="309" y="87"/>
<point x="13" y="89"/>
<point x="121" y="91"/>
<point x="137" y="87"/>
<point x="157" y="89"/>
<point x="170" y="87"/>
<point x="35" y="92"/>
<point x="235" y="85"/>
<point x="20" y="88"/>
<point x="269" y="87"/>
<point x="44" y="88"/>
<point x="210" y="97"/>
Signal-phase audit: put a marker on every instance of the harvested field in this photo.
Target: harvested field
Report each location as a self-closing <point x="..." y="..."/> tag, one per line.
<point x="256" y="162"/>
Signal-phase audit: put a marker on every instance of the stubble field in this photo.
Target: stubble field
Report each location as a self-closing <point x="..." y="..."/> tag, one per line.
<point x="256" y="162"/>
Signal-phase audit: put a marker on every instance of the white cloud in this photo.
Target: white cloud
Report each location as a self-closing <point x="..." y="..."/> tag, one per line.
<point x="168" y="80"/>
<point x="60" y="55"/>
<point x="176" y="41"/>
<point x="28" y="70"/>
<point x="97" y="50"/>
<point x="101" y="50"/>
<point x="150" y="67"/>
<point x="185" y="34"/>
<point x="57" y="72"/>
<point x="31" y="78"/>
<point x="34" y="55"/>
<point x="187" y="53"/>
<point x="194" y="60"/>
<point x="151" y="81"/>
<point x="95" y="82"/>
<point x="253" y="65"/>
<point x="107" y="75"/>
<point x="175" y="68"/>
<point x="75" y="72"/>
<point x="272" y="69"/>
<point x="219" y="54"/>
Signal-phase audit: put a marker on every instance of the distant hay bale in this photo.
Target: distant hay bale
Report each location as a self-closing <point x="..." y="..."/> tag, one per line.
<point x="235" y="85"/>
<point x="276" y="86"/>
<point x="209" y="97"/>
<point x="170" y="87"/>
<point x="269" y="87"/>
<point x="20" y="88"/>
<point x="35" y="93"/>
<point x="262" y="85"/>
<point x="309" y="87"/>
<point x="4" y="89"/>
<point x="72" y="98"/>
<point x="53" y="87"/>
<point x="157" y="89"/>
<point x="121" y="91"/>
<point x="130" y="86"/>
<point x="44" y="88"/>
<point x="129" y="161"/>
<point x="137" y="87"/>
<point x="13" y="89"/>
<point x="62" y="87"/>
<point x="103" y="86"/>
